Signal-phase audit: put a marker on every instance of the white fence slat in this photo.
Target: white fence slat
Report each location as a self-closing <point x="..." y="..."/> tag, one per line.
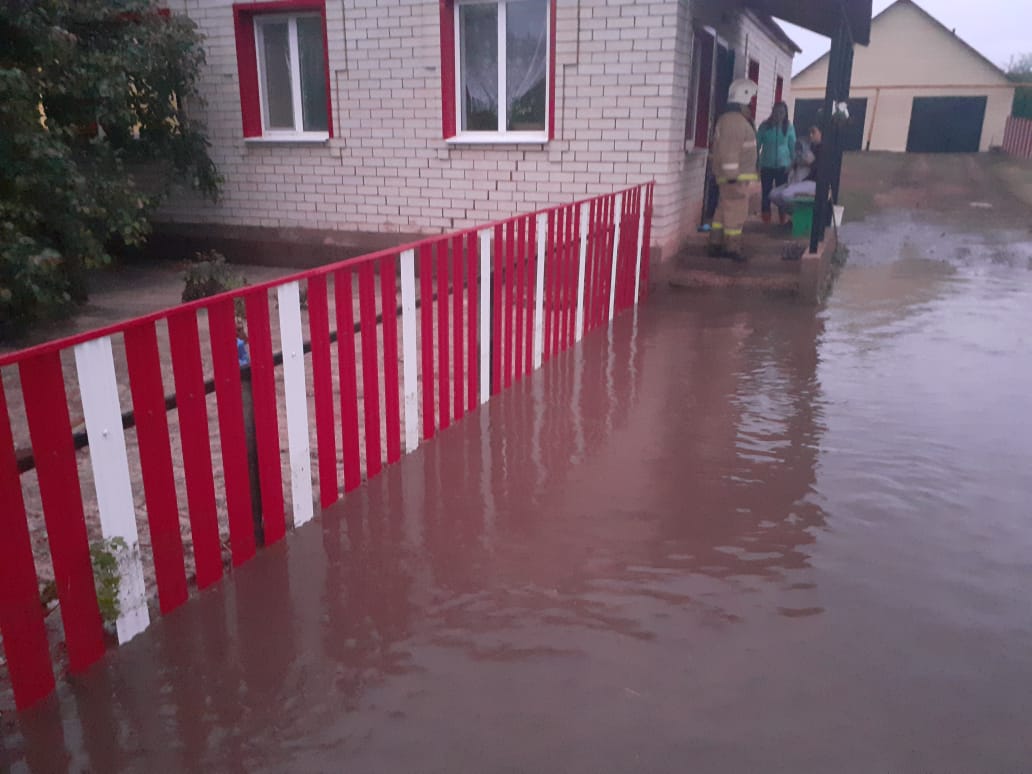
<point x="409" y="349"/>
<point x="618" y="215"/>
<point x="98" y="387"/>
<point x="539" y="291"/>
<point x="641" y="237"/>
<point x="582" y="263"/>
<point x="296" y="397"/>
<point x="485" y="315"/>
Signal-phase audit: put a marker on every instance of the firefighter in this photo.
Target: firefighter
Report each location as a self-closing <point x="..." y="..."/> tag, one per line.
<point x="734" y="164"/>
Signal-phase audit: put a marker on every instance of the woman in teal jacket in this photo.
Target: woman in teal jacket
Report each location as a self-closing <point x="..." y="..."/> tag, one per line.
<point x="776" y="139"/>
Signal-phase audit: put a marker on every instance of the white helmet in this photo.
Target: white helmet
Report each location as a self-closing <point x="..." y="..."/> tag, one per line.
<point x="742" y="91"/>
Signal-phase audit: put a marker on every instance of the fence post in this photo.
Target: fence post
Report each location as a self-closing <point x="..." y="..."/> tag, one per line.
<point x="98" y="387"/>
<point x="539" y="291"/>
<point x="289" y="296"/>
<point x="617" y="217"/>
<point x="409" y="348"/>
<point x="641" y="239"/>
<point x="485" y="315"/>
<point x="582" y="264"/>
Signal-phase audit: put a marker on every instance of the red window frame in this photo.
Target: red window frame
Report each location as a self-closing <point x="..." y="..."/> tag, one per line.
<point x="705" y="43"/>
<point x="449" y="109"/>
<point x="247" y="57"/>
<point x="754" y="76"/>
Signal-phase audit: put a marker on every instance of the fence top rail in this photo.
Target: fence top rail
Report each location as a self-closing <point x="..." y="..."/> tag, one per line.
<point x="12" y="358"/>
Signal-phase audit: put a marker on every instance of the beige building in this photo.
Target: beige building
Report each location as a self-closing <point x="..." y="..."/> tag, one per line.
<point x="916" y="87"/>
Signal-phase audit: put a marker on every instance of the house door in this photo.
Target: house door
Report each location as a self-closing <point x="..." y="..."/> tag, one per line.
<point x="807" y="114"/>
<point x="725" y="74"/>
<point x="946" y="124"/>
<point x="754" y="76"/>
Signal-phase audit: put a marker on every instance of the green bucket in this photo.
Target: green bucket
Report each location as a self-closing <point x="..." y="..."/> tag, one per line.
<point x="802" y="216"/>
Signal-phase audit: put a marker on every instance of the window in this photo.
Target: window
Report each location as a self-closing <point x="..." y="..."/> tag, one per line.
<point x="283" y="68"/>
<point x="779" y="88"/>
<point x="498" y="70"/>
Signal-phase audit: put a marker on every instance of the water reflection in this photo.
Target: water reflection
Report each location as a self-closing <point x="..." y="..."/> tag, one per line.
<point x="575" y="509"/>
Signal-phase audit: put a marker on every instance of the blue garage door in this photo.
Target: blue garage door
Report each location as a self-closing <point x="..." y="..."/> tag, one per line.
<point x="946" y="124"/>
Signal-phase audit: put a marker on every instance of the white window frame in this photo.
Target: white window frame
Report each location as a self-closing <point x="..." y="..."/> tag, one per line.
<point x="501" y="135"/>
<point x="285" y="135"/>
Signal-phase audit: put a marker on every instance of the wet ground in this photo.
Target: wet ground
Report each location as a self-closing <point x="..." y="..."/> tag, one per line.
<point x="735" y="535"/>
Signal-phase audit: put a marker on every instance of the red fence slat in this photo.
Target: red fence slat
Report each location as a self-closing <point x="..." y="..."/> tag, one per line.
<point x="593" y="266"/>
<point x="443" y="367"/>
<point x="531" y="306"/>
<point x="370" y="368"/>
<point x="550" y="274"/>
<point x="22" y="628"/>
<point x="457" y="295"/>
<point x="573" y="226"/>
<point x="649" y="189"/>
<point x="232" y="436"/>
<point x="322" y="386"/>
<point x="1017" y="137"/>
<point x="391" y="387"/>
<point x="193" y="428"/>
<point x="520" y="282"/>
<point x="50" y="428"/>
<point x="266" y="415"/>
<point x="509" y="280"/>
<point x="426" y="342"/>
<point x="348" y="376"/>
<point x="473" y="294"/>
<point x="159" y="485"/>
<point x="496" y="311"/>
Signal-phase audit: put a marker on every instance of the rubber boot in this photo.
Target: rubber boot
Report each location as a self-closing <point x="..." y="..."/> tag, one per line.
<point x="782" y="218"/>
<point x="766" y="217"/>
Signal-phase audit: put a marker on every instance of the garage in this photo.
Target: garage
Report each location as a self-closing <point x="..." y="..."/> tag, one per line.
<point x="946" y="124"/>
<point x="926" y="90"/>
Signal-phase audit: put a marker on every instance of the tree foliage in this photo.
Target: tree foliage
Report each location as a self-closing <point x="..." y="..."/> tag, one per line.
<point x="93" y="133"/>
<point x="1019" y="70"/>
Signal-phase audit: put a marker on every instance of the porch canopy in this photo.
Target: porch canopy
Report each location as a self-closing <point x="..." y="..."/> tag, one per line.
<point x="821" y="16"/>
<point x="846" y="22"/>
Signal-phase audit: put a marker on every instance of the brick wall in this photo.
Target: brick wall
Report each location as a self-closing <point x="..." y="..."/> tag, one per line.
<point x="621" y="96"/>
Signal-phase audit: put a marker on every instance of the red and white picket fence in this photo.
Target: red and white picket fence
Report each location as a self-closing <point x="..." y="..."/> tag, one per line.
<point x="477" y="310"/>
<point x="1017" y="137"/>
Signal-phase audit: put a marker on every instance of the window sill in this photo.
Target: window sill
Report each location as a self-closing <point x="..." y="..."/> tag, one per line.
<point x="312" y="138"/>
<point x="499" y="138"/>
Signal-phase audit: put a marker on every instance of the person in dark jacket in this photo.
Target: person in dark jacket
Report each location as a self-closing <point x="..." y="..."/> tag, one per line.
<point x="803" y="179"/>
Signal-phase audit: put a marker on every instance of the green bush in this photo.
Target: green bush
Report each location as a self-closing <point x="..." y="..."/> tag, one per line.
<point x="104" y="556"/>
<point x="91" y="92"/>
<point x="209" y="275"/>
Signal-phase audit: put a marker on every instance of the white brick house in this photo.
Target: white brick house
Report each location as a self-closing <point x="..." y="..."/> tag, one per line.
<point x="605" y="93"/>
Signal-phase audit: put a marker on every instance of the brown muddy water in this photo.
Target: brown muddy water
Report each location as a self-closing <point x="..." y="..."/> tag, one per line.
<point x="729" y="536"/>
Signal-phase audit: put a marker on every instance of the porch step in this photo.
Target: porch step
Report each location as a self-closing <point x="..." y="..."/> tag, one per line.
<point x="697" y="279"/>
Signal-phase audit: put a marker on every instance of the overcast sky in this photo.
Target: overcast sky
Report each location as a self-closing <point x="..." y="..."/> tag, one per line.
<point x="997" y="28"/>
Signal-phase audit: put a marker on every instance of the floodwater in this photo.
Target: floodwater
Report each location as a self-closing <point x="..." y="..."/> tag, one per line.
<point x="730" y="536"/>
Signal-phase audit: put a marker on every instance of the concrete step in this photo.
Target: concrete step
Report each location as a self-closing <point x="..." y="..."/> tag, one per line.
<point x="695" y="279"/>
